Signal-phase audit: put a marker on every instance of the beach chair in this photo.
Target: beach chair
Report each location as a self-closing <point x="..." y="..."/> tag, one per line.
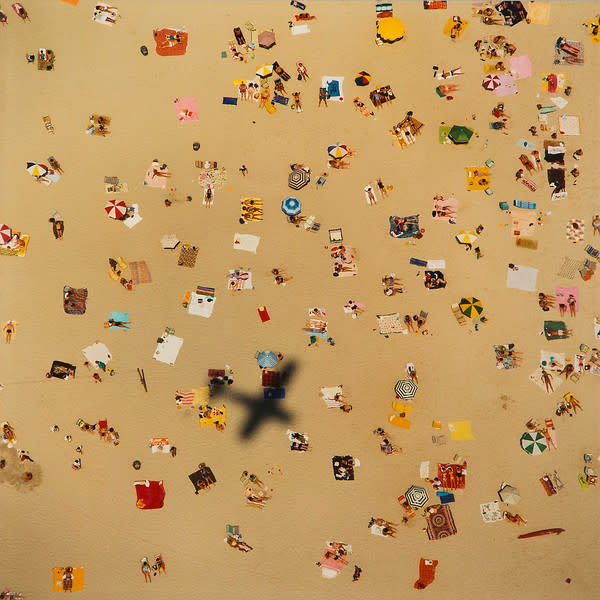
<point x="460" y="318"/>
<point x="280" y="99"/>
<point x="335" y="235"/>
<point x="48" y="124"/>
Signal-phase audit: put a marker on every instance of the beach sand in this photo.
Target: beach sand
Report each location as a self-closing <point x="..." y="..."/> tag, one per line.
<point x="88" y="518"/>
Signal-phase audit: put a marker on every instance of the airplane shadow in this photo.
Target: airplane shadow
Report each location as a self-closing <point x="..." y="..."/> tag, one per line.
<point x="260" y="409"/>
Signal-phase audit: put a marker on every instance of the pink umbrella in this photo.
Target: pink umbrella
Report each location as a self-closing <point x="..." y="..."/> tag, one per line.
<point x="5" y="234"/>
<point x="116" y="209"/>
<point x="491" y="82"/>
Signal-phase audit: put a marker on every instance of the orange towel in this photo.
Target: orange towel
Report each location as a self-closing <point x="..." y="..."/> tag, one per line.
<point x="426" y="573"/>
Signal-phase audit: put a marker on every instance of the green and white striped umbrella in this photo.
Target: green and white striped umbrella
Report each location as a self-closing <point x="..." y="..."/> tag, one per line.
<point x="533" y="442"/>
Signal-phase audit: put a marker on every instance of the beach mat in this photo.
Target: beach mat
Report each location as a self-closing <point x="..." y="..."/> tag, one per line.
<point x="187" y="109"/>
<point x="150" y="494"/>
<point x="168" y="349"/>
<point x="440" y="524"/>
<point x="562" y="296"/>
<point x="139" y="272"/>
<point x="460" y="430"/>
<point x="524" y="278"/>
<point x="121" y="317"/>
<point x="77" y="583"/>
<point x="74" y="300"/>
<point x="188" y="256"/>
<point x="230" y="101"/>
<point x="170" y="47"/>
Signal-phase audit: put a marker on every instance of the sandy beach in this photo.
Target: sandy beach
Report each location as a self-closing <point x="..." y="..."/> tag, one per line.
<point x="88" y="517"/>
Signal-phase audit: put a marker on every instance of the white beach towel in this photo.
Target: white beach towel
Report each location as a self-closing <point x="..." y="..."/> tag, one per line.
<point x="525" y="278"/>
<point x="568" y="125"/>
<point x="132" y="221"/>
<point x="300" y="29"/>
<point x="201" y="305"/>
<point x="329" y="393"/>
<point x="168" y="349"/>
<point x="424" y="469"/>
<point x="559" y="101"/>
<point x="536" y="377"/>
<point x="340" y="80"/>
<point x="490" y="512"/>
<point x="552" y="361"/>
<point x="247" y="242"/>
<point x="436" y="264"/>
<point x="97" y="352"/>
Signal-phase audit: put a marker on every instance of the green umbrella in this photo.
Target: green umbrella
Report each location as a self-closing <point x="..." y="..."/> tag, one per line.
<point x="533" y="442"/>
<point x="460" y="134"/>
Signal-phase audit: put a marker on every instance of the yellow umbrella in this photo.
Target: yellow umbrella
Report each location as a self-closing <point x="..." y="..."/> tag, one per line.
<point x="465" y="237"/>
<point x="390" y="29"/>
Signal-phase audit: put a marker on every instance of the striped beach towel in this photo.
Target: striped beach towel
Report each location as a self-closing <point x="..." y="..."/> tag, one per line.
<point x="140" y="272"/>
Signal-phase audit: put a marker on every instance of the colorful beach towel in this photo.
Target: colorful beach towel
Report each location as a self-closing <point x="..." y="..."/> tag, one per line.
<point x="187" y="256"/>
<point x="187" y="109"/>
<point x="575" y="230"/>
<point x="440" y="522"/>
<point x="568" y="52"/>
<point x="139" y="272"/>
<point x="74" y="300"/>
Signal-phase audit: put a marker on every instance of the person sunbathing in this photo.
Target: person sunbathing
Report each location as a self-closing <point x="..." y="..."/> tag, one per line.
<point x="113" y="323"/>
<point x="518" y="519"/>
<point x="337" y="163"/>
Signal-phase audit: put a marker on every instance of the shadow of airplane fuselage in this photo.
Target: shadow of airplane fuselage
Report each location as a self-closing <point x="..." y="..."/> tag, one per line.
<point x="260" y="409"/>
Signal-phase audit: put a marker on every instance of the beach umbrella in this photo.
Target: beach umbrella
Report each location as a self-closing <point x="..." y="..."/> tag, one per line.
<point x="266" y="39"/>
<point x="337" y="151"/>
<point x="36" y="169"/>
<point x="298" y="178"/>
<point x="291" y="206"/>
<point x="470" y="307"/>
<point x="406" y="389"/>
<point x="266" y="359"/>
<point x="390" y="29"/>
<point x="249" y="25"/>
<point x="5" y="234"/>
<point x="466" y="237"/>
<point x="264" y="71"/>
<point x="491" y="82"/>
<point x="416" y="496"/>
<point x="362" y="78"/>
<point x="533" y="442"/>
<point x="116" y="209"/>
<point x="509" y="494"/>
<point x="460" y="134"/>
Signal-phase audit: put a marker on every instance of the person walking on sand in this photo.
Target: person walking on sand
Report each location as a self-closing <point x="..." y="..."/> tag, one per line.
<point x="596" y="224"/>
<point x="547" y="381"/>
<point x="146" y="570"/>
<point x="243" y="170"/>
<point x="302" y="71"/>
<point x="323" y="96"/>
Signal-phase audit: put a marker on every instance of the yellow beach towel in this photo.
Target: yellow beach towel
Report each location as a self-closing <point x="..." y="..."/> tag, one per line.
<point x="460" y="430"/>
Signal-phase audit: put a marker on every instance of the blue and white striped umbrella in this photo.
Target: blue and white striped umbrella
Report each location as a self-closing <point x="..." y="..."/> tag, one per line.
<point x="266" y="359"/>
<point x="291" y="206"/>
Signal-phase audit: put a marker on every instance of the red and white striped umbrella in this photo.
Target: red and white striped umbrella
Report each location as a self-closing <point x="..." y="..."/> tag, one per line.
<point x="116" y="209"/>
<point x="5" y="234"/>
<point x="491" y="82"/>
